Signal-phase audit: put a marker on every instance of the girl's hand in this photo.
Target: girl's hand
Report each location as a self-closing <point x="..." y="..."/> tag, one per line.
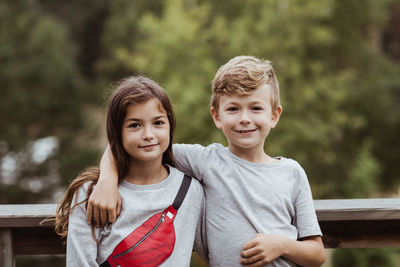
<point x="104" y="204"/>
<point x="262" y="249"/>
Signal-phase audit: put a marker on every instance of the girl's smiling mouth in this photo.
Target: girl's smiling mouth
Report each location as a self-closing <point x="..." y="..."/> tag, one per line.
<point x="148" y="146"/>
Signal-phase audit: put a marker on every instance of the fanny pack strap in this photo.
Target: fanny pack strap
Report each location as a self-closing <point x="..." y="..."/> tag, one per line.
<point x="182" y="192"/>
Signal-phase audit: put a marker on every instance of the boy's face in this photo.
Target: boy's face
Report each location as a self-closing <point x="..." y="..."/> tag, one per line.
<point x="246" y="120"/>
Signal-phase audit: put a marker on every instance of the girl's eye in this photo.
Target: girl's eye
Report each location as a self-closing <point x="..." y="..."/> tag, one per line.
<point x="159" y="122"/>
<point x="257" y="108"/>
<point x="134" y="125"/>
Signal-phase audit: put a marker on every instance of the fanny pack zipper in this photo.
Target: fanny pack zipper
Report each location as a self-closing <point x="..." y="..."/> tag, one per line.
<point x="143" y="238"/>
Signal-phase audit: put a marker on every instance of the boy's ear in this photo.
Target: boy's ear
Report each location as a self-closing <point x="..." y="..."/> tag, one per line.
<point x="276" y="115"/>
<point x="214" y="114"/>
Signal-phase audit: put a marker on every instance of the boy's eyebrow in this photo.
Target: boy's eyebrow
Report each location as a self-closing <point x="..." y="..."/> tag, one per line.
<point x="238" y="103"/>
<point x="257" y="102"/>
<point x="232" y="102"/>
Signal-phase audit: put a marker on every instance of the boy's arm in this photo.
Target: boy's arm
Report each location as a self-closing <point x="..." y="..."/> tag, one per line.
<point x="191" y="159"/>
<point x="200" y="241"/>
<point x="104" y="204"/>
<point x="265" y="248"/>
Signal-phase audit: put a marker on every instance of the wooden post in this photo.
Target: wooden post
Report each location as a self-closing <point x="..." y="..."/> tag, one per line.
<point x="6" y="248"/>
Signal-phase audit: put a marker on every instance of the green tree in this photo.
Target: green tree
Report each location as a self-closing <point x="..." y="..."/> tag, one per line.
<point x="329" y="64"/>
<point x="41" y="98"/>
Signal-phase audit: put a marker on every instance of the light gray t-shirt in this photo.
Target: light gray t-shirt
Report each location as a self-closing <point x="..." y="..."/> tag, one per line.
<point x="139" y="202"/>
<point x="245" y="198"/>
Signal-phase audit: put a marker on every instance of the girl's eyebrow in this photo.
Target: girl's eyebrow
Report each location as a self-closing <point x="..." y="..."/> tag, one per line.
<point x="133" y="119"/>
<point x="140" y="120"/>
<point x="160" y="117"/>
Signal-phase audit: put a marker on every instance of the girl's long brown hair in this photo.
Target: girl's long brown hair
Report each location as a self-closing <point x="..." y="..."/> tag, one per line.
<point x="131" y="90"/>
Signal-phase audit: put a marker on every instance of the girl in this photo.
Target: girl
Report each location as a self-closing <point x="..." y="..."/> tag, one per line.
<point x="140" y="127"/>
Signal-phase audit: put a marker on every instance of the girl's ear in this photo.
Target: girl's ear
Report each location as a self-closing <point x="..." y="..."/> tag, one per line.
<point x="214" y="114"/>
<point x="276" y="115"/>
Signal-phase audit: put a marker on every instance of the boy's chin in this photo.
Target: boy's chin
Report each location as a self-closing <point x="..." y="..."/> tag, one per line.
<point x="244" y="146"/>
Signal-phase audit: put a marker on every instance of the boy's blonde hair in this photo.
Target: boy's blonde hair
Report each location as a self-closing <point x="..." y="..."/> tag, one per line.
<point x="242" y="75"/>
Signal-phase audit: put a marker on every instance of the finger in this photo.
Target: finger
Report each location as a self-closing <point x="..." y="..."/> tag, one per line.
<point x="96" y="217"/>
<point x="249" y="244"/>
<point x="89" y="211"/>
<point x="249" y="252"/>
<point x="119" y="206"/>
<point x="103" y="217"/>
<point x="112" y="215"/>
<point x="256" y="259"/>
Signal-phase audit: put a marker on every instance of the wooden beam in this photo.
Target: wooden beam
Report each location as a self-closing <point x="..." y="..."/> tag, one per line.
<point x="30" y="215"/>
<point x="358" y="209"/>
<point x="37" y="241"/>
<point x="32" y="231"/>
<point x="359" y="223"/>
<point x="6" y="248"/>
<point x="345" y="223"/>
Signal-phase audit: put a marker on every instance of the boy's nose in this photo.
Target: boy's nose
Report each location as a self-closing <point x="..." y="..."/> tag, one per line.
<point x="244" y="118"/>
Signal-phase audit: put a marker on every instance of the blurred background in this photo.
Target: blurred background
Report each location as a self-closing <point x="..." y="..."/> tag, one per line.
<point x="337" y="61"/>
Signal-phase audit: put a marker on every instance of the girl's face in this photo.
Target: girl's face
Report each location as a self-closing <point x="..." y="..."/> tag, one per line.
<point x="145" y="132"/>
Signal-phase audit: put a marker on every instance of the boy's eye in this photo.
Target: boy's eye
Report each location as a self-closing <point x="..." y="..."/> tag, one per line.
<point x="256" y="108"/>
<point x="232" y="109"/>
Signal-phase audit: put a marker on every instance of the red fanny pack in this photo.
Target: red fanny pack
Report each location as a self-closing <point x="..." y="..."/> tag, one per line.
<point x="153" y="242"/>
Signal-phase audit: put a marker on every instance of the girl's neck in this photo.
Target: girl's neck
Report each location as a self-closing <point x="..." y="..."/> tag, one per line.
<point x="142" y="173"/>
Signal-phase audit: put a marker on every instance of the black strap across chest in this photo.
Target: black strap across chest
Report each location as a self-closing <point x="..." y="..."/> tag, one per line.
<point x="182" y="192"/>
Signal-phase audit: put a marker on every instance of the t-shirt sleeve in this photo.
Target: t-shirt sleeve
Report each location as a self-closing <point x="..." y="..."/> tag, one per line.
<point x="191" y="159"/>
<point x="200" y="240"/>
<point x="81" y="247"/>
<point x="306" y="219"/>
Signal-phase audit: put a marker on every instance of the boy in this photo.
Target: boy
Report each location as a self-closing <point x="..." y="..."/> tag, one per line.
<point x="259" y="209"/>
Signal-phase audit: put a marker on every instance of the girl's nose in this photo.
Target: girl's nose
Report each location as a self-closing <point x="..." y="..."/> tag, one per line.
<point x="148" y="134"/>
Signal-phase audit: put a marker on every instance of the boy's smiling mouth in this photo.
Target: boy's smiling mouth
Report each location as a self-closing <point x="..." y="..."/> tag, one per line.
<point x="245" y="131"/>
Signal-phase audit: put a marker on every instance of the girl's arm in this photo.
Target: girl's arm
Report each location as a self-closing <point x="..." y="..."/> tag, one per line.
<point x="265" y="248"/>
<point x="104" y="204"/>
<point x="81" y="246"/>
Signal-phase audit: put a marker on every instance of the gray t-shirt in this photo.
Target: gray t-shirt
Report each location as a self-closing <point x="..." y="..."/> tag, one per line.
<point x="245" y="198"/>
<point x="139" y="202"/>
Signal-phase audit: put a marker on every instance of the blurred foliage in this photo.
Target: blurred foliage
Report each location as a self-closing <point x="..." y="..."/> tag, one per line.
<point x="382" y="257"/>
<point x="338" y="63"/>
<point x="41" y="92"/>
<point x="339" y="86"/>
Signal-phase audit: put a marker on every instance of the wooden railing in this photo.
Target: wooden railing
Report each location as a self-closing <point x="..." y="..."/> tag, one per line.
<point x="345" y="223"/>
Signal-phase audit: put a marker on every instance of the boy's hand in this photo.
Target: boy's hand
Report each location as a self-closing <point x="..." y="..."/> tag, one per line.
<point x="262" y="249"/>
<point x="104" y="204"/>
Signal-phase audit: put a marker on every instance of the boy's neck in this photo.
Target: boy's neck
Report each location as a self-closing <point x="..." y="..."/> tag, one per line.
<point x="142" y="173"/>
<point x="255" y="155"/>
